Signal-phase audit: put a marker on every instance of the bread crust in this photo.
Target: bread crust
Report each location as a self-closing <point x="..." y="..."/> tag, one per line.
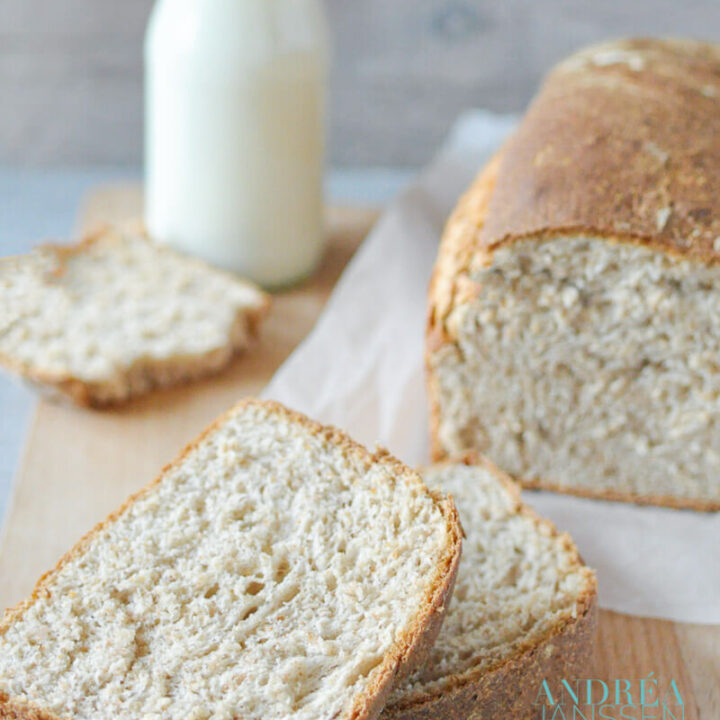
<point x="144" y="375"/>
<point x="508" y="688"/>
<point x="623" y="140"/>
<point x="648" y="121"/>
<point x="450" y="285"/>
<point x="561" y="171"/>
<point x="411" y="647"/>
<point x="671" y="501"/>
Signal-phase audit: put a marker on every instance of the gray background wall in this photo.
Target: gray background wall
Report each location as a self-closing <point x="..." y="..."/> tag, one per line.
<point x="71" y="70"/>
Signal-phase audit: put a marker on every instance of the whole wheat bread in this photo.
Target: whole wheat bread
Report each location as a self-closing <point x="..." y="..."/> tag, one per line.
<point x="574" y="332"/>
<point x="276" y="569"/>
<point x="523" y="611"/>
<point x="117" y="315"/>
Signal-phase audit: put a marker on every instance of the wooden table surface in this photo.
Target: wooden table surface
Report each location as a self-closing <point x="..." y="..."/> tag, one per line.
<point x="79" y="464"/>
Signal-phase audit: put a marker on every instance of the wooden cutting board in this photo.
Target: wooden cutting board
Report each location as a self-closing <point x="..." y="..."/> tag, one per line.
<point x="79" y="464"/>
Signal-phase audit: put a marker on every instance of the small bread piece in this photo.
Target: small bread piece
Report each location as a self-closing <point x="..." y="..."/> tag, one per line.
<point x="524" y="608"/>
<point x="574" y="335"/>
<point x="118" y="315"/>
<point x="276" y="569"/>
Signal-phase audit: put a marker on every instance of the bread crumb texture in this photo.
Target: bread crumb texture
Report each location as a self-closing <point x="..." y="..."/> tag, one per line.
<point x="109" y="310"/>
<point x="590" y="365"/>
<point x="519" y="581"/>
<point x="264" y="576"/>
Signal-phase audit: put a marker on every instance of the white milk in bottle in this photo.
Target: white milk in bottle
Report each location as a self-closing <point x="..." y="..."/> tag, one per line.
<point x="235" y="100"/>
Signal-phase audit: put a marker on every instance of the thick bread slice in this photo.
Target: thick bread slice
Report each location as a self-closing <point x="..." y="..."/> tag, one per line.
<point x="524" y="608"/>
<point x="276" y="569"/>
<point x="117" y="315"/>
<point x="574" y="335"/>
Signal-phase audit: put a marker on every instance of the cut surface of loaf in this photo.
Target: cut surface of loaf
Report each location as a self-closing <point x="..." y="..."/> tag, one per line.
<point x="523" y="610"/>
<point x="574" y="335"/>
<point x="275" y="570"/>
<point x="117" y="315"/>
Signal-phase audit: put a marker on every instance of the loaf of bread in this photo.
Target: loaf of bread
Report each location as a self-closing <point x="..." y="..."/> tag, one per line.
<point x="117" y="315"/>
<point x="276" y="569"/>
<point x="574" y="332"/>
<point x="523" y="611"/>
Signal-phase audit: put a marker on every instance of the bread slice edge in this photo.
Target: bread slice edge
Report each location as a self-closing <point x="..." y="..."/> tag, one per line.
<point x="407" y="653"/>
<point x="142" y="376"/>
<point x="509" y="687"/>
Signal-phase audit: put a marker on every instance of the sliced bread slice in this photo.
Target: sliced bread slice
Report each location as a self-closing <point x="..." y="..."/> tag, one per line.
<point x="276" y="569"/>
<point x="523" y="608"/>
<point x="117" y="315"/>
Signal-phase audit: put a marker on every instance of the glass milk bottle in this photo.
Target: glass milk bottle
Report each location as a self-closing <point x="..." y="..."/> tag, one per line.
<point x="234" y="103"/>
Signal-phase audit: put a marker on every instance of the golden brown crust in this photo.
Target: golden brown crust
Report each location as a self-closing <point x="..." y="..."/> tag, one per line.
<point x="509" y="688"/>
<point x="408" y="651"/>
<point x="139" y="379"/>
<point x="145" y="375"/>
<point x="450" y="285"/>
<point x="671" y="501"/>
<point x="629" y="154"/>
<point x="623" y="140"/>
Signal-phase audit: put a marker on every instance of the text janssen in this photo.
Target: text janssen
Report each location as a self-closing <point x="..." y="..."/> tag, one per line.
<point x="648" y="698"/>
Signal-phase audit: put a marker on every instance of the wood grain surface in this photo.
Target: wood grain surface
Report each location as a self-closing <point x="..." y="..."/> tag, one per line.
<point x="78" y="465"/>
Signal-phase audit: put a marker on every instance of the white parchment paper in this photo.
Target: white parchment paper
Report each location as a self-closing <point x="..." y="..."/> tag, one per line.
<point x="361" y="368"/>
